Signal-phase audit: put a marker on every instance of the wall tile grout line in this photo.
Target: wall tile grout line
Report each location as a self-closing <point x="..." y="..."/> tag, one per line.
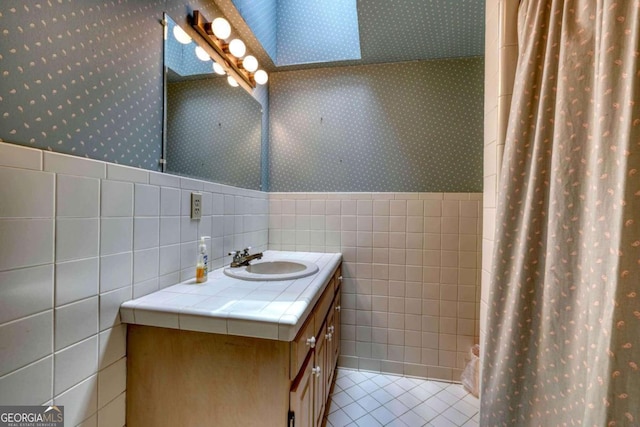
<point x="249" y="221"/>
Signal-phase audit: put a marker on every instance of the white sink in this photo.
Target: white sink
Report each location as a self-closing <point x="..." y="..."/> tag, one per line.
<point x="271" y="270"/>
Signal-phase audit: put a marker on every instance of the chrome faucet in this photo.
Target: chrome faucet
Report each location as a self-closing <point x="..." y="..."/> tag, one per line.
<point x="242" y="258"/>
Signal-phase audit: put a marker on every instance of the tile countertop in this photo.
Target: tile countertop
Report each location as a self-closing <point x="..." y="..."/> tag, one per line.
<point x="224" y="305"/>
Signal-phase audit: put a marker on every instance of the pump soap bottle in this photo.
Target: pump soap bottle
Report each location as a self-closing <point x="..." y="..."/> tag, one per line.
<point x="202" y="265"/>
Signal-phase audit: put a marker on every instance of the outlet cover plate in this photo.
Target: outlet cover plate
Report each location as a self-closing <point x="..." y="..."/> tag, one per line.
<point x="196" y="205"/>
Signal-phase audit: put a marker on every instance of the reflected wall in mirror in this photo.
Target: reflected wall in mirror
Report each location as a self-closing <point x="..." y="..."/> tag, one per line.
<point x="213" y="130"/>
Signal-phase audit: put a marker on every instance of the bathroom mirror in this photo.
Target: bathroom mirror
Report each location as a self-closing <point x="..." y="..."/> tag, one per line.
<point x="212" y="130"/>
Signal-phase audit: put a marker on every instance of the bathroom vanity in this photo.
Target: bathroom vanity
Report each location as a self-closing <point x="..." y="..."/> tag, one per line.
<point x="232" y="352"/>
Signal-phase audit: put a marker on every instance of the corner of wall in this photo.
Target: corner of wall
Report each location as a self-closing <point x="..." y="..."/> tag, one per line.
<point x="501" y="52"/>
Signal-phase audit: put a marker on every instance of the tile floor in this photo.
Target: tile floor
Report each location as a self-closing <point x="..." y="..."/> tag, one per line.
<point x="367" y="399"/>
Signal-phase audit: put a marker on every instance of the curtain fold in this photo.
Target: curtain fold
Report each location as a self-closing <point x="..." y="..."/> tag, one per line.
<point x="563" y="326"/>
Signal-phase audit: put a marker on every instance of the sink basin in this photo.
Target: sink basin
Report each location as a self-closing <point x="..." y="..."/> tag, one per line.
<point x="271" y="270"/>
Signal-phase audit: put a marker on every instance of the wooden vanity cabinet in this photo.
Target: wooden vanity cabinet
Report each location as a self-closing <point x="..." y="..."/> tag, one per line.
<point x="320" y="374"/>
<point x="322" y="358"/>
<point x="329" y="362"/>
<point x="190" y="378"/>
<point x="337" y="335"/>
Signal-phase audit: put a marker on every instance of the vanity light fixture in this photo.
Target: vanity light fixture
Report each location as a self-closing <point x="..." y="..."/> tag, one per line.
<point x="215" y="34"/>
<point x="180" y="35"/>
<point x="261" y="77"/>
<point x="202" y="54"/>
<point x="218" y="69"/>
<point x="250" y="63"/>
<point x="232" y="82"/>
<point x="221" y="28"/>
<point x="237" y="48"/>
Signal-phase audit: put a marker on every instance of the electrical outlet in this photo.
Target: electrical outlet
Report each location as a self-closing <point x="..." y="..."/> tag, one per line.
<point x="196" y="205"/>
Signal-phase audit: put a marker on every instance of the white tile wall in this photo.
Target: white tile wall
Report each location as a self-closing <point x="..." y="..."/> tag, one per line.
<point x="77" y="197"/>
<point x="77" y="238"/>
<point x="410" y="294"/>
<point x="25" y="292"/>
<point x="31" y="242"/>
<point x="411" y="261"/>
<point x="75" y="322"/>
<point x="25" y="340"/>
<point x="33" y="383"/>
<point x="76" y="280"/>
<point x="30" y="192"/>
<point x="501" y="46"/>
<point x="74" y="364"/>
<point x="116" y="235"/>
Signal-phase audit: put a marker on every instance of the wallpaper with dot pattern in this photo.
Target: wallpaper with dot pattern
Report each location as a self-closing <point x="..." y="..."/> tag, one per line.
<point x="404" y="30"/>
<point x="89" y="83"/>
<point x="214" y="132"/>
<point x="83" y="77"/>
<point x="415" y="126"/>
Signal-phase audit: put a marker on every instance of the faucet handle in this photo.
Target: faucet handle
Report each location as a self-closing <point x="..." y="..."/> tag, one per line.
<point x="246" y="250"/>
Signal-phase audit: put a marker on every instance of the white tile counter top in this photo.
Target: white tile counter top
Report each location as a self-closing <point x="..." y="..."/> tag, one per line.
<point x="224" y="305"/>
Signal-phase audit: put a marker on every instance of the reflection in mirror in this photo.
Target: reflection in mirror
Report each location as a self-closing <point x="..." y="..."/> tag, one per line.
<point x="213" y="130"/>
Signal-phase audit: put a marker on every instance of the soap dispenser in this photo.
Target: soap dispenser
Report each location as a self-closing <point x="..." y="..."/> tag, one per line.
<point x="202" y="264"/>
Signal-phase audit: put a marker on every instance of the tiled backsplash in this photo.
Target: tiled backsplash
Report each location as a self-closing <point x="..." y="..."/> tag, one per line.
<point x="77" y="238"/>
<point x="411" y="267"/>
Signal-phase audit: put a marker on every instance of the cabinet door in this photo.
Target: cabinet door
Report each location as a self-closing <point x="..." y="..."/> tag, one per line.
<point x="336" y="329"/>
<point x="329" y="367"/>
<point x="319" y="377"/>
<point x="301" y="397"/>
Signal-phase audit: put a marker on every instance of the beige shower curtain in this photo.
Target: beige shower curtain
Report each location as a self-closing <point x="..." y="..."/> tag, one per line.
<point x="563" y="328"/>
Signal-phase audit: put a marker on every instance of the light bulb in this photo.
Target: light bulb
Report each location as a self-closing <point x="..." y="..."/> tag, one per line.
<point x="218" y="69"/>
<point x="261" y="77"/>
<point x="237" y="48"/>
<point x="180" y="35"/>
<point x="232" y="81"/>
<point x="202" y="54"/>
<point x="221" y="28"/>
<point x="250" y="63"/>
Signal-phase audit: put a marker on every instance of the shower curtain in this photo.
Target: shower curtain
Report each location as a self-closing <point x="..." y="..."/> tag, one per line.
<point x="562" y="346"/>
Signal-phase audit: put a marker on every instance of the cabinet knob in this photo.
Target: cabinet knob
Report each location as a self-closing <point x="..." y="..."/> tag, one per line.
<point x="340" y="278"/>
<point x="338" y="308"/>
<point x="311" y="342"/>
<point x="316" y="371"/>
<point x="332" y="329"/>
<point x="328" y="336"/>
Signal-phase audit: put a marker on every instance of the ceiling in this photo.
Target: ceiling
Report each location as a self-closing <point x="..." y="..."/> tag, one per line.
<point x="387" y="30"/>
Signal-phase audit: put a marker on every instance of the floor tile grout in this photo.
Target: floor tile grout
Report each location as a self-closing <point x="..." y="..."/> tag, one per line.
<point x="368" y="399"/>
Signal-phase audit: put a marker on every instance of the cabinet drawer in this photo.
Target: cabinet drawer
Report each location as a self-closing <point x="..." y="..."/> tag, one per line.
<point x="337" y="279"/>
<point x="301" y="345"/>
